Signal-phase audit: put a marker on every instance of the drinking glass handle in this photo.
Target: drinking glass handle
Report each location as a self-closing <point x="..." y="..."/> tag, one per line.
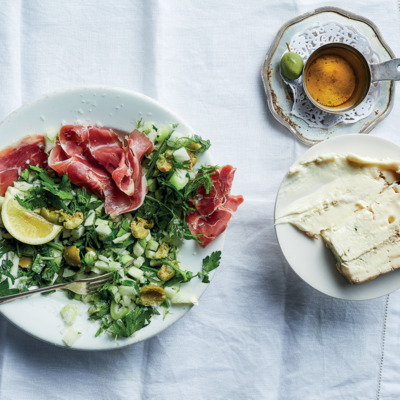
<point x="386" y="71"/>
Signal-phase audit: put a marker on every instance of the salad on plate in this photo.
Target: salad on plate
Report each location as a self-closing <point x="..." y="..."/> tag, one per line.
<point x="91" y="201"/>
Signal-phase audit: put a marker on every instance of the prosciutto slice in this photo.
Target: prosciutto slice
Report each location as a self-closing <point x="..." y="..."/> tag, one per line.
<point x="96" y="158"/>
<point x="214" y="209"/>
<point x="122" y="162"/>
<point x="28" y="151"/>
<point x="73" y="140"/>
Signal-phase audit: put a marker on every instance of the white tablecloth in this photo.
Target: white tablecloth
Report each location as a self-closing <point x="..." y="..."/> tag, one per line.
<point x="259" y="331"/>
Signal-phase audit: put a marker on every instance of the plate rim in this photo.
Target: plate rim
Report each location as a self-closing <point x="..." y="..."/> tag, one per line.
<point x="129" y="92"/>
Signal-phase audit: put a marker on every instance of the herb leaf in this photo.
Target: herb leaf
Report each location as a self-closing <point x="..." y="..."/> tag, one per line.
<point x="4" y="289"/>
<point x="210" y="263"/>
<point x="132" y="322"/>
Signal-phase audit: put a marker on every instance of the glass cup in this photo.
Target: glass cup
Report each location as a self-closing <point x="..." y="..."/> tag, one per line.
<point x="337" y="77"/>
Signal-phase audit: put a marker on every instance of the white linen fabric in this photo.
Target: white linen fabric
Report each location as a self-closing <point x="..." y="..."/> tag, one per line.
<point x="259" y="330"/>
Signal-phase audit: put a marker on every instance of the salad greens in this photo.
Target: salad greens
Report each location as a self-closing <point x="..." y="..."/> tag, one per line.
<point x="139" y="248"/>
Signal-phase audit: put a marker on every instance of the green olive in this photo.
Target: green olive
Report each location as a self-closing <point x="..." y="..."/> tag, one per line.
<point x="166" y="273"/>
<point x="291" y="65"/>
<point x="51" y="215"/>
<point x="71" y="256"/>
<point x="152" y="295"/>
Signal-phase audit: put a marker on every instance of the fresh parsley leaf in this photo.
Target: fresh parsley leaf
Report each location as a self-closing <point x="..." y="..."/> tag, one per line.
<point x="99" y="309"/>
<point x="132" y="322"/>
<point x="4" y="289"/>
<point x="49" y="272"/>
<point x="6" y="246"/>
<point x="5" y="267"/>
<point x="32" y="201"/>
<point x="105" y="323"/>
<point x="210" y="263"/>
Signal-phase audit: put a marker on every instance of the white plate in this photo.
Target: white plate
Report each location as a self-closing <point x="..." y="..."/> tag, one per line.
<point x="116" y="108"/>
<point x="309" y="258"/>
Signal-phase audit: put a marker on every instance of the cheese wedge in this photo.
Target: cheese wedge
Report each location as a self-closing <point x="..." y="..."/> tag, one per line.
<point x="331" y="187"/>
<point x="367" y="244"/>
<point x="367" y="228"/>
<point x="380" y="260"/>
<point x="334" y="202"/>
<point x="353" y="203"/>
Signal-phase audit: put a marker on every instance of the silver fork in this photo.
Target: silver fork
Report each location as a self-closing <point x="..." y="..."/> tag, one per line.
<point x="82" y="286"/>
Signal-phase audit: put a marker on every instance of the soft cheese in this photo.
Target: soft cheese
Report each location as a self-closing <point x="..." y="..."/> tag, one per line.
<point x="354" y="203"/>
<point x="333" y="202"/>
<point x="331" y="187"/>
<point x="367" y="228"/>
<point x="380" y="260"/>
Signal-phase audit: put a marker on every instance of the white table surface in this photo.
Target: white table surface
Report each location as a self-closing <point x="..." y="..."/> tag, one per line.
<point x="259" y="331"/>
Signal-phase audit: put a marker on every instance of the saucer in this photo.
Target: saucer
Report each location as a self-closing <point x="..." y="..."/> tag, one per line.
<point x="280" y="96"/>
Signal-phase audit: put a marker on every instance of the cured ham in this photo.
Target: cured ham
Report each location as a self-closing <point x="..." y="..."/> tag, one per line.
<point x="28" y="151"/>
<point x="222" y="180"/>
<point x="214" y="209"/>
<point x="122" y="162"/>
<point x="210" y="226"/>
<point x="97" y="159"/>
<point x="106" y="148"/>
<point x="73" y="139"/>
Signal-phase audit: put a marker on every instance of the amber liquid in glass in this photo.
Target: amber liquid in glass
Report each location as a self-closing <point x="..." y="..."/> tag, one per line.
<point x="337" y="77"/>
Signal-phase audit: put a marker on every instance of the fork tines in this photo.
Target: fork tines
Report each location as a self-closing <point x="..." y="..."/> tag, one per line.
<point x="93" y="284"/>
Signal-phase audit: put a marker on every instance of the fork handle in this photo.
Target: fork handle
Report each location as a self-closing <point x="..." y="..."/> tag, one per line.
<point x="11" y="297"/>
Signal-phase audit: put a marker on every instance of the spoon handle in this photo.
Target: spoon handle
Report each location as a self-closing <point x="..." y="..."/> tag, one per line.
<point x="386" y="71"/>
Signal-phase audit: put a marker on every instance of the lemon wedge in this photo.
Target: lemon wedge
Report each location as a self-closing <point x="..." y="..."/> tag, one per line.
<point x="25" y="225"/>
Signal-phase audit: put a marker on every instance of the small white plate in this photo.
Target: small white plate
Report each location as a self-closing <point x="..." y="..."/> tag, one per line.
<point x="309" y="258"/>
<point x="115" y="108"/>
